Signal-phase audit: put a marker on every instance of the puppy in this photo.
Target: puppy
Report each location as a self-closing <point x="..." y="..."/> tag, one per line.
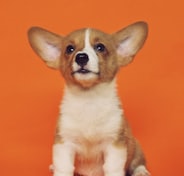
<point x="92" y="137"/>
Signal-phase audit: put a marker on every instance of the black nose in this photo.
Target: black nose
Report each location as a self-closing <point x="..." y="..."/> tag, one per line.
<point x="82" y="59"/>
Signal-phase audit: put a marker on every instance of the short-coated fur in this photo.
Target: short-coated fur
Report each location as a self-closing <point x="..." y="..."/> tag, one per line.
<point x="93" y="137"/>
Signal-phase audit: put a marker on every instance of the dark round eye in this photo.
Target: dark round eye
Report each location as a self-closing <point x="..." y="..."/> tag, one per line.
<point x="99" y="47"/>
<point x="70" y="49"/>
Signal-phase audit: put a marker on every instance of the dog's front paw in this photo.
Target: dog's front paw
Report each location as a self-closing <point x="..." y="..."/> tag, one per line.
<point x="56" y="173"/>
<point x="141" y="171"/>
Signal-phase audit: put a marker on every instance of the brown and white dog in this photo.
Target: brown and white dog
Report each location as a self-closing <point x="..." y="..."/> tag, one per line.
<point x="92" y="137"/>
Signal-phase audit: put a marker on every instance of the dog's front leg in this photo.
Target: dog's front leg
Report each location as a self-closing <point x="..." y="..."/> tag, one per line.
<point x="63" y="159"/>
<point x="115" y="160"/>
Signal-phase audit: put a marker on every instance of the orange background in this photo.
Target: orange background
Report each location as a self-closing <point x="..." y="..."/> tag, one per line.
<point x="152" y="87"/>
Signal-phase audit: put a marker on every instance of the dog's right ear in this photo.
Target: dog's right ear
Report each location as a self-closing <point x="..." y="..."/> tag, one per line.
<point x="47" y="45"/>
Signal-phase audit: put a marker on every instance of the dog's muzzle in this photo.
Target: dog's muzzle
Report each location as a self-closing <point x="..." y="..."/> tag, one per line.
<point x="82" y="62"/>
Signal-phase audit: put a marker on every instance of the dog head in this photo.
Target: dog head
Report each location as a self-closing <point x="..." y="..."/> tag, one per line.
<point x="88" y="56"/>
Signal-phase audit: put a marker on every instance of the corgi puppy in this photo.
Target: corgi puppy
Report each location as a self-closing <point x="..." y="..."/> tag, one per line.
<point x="92" y="136"/>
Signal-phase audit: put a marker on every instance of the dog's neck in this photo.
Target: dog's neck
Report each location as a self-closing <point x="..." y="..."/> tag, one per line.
<point x="107" y="90"/>
<point x="92" y="104"/>
<point x="92" y="107"/>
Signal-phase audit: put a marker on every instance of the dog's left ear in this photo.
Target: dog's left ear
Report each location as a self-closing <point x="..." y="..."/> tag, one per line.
<point x="129" y="41"/>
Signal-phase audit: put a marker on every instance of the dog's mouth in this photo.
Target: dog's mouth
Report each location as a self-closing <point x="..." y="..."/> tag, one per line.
<point x="84" y="71"/>
<point x="85" y="77"/>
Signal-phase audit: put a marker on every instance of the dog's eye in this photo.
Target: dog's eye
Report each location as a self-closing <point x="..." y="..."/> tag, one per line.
<point x="70" y="49"/>
<point x="99" y="47"/>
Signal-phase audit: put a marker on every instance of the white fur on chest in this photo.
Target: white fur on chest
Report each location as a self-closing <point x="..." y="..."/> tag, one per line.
<point x="92" y="116"/>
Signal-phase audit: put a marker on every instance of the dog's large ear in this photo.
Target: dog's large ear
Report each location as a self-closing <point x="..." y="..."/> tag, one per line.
<point x="47" y="45"/>
<point x="129" y="41"/>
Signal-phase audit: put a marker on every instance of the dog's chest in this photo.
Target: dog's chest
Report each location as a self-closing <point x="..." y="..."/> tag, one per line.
<point x="90" y="118"/>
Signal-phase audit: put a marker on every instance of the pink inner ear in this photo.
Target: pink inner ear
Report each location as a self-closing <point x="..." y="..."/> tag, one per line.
<point x="51" y="52"/>
<point x="125" y="48"/>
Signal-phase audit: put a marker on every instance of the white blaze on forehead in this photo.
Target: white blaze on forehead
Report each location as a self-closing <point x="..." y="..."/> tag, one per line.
<point x="87" y="39"/>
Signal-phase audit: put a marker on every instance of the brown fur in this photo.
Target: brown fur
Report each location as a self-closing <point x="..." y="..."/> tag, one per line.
<point x="110" y="62"/>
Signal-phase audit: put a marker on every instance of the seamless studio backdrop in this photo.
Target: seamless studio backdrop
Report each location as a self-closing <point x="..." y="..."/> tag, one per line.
<point x="151" y="88"/>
